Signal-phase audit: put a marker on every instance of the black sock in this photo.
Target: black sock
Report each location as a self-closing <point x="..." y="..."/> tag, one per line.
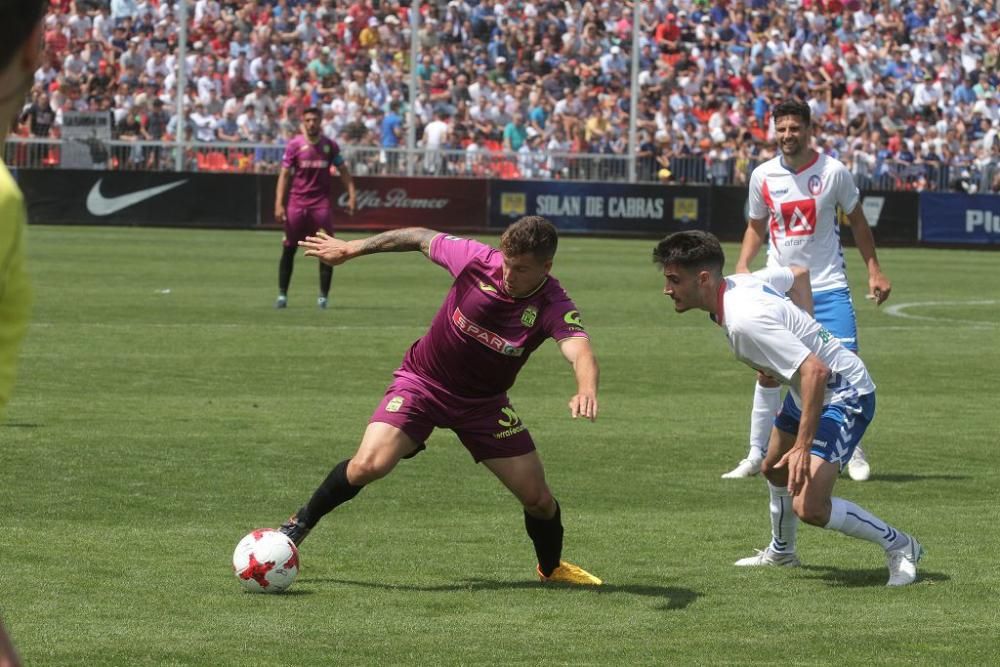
<point x="325" y="278"/>
<point x="547" y="535"/>
<point x="335" y="490"/>
<point x="285" y="269"/>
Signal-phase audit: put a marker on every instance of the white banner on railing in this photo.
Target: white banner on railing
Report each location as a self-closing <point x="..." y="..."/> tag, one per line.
<point x="85" y="135"/>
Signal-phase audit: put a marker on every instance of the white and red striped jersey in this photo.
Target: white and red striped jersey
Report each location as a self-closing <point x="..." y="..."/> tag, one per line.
<point x="801" y="209"/>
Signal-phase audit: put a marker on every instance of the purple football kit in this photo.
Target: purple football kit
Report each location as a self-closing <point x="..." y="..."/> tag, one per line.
<point x="309" y="209"/>
<point x="457" y="375"/>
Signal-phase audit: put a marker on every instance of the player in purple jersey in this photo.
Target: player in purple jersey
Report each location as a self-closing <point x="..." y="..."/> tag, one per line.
<point x="502" y="305"/>
<point x="305" y="179"/>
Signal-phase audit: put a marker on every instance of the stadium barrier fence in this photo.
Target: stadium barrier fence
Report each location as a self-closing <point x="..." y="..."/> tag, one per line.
<point x="249" y="158"/>
<point x="246" y="201"/>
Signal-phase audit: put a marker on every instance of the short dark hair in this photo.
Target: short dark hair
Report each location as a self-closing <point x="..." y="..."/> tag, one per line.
<point x="792" y="108"/>
<point x="694" y="250"/>
<point x="314" y="110"/>
<point x="17" y="19"/>
<point x="533" y="234"/>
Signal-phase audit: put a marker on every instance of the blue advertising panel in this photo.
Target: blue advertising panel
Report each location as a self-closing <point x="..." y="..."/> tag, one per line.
<point x="960" y="219"/>
<point x="614" y="208"/>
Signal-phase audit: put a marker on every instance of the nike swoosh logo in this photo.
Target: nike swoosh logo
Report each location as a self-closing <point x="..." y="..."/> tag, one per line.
<point x="99" y="205"/>
<point x="486" y="288"/>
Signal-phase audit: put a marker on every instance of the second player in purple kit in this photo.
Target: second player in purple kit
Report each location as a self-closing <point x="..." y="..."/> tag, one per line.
<point x="306" y="181"/>
<point x="502" y="305"/>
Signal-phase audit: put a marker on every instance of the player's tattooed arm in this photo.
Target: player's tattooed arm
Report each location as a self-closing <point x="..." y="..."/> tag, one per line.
<point x="398" y="240"/>
<point x="334" y="252"/>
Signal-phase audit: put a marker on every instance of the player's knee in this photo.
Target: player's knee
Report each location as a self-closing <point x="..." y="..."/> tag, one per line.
<point x="367" y="469"/>
<point x="539" y="503"/>
<point x="767" y="381"/>
<point x="813" y="512"/>
<point x="776" y="476"/>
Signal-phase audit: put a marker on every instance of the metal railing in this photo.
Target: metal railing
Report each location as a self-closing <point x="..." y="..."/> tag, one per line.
<point x="480" y="163"/>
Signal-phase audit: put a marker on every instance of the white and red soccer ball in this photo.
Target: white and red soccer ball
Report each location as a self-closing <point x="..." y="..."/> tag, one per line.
<point x="266" y="561"/>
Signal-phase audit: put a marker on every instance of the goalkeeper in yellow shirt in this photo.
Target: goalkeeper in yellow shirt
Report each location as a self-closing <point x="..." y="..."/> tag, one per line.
<point x="20" y="55"/>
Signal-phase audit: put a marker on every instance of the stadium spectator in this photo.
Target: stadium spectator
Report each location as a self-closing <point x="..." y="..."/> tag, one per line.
<point x="437" y="135"/>
<point x="868" y="66"/>
<point x="39" y="116"/>
<point x="452" y="378"/>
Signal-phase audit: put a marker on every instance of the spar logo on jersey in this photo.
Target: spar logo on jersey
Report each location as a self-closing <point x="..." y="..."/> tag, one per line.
<point x="485" y="336"/>
<point x="798" y="218"/>
<point x="815" y="185"/>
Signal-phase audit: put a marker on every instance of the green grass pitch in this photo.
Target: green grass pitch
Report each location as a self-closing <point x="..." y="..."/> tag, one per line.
<point x="164" y="409"/>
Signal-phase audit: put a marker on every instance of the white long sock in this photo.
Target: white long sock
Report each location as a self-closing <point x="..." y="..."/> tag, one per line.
<point x="850" y="519"/>
<point x="784" y="523"/>
<point x="766" y="401"/>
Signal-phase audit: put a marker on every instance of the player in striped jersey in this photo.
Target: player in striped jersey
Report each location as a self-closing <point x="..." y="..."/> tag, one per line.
<point x="792" y="207"/>
<point x="830" y="401"/>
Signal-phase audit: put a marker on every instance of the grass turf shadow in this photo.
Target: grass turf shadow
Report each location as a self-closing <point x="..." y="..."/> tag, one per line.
<point x="906" y="477"/>
<point x="673" y="597"/>
<point x="865" y="578"/>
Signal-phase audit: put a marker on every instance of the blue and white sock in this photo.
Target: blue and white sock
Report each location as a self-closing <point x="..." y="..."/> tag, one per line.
<point x="850" y="519"/>
<point x="784" y="523"/>
<point x="766" y="402"/>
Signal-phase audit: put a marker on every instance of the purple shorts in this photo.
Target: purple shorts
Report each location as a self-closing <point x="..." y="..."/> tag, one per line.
<point x="306" y="221"/>
<point x="488" y="427"/>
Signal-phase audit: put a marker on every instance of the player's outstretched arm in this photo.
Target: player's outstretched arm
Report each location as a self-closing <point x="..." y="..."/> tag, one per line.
<point x="333" y="251"/>
<point x="578" y="352"/>
<point x="753" y="240"/>
<point x="878" y="285"/>
<point x="801" y="291"/>
<point x="8" y="656"/>
<point x="813" y="376"/>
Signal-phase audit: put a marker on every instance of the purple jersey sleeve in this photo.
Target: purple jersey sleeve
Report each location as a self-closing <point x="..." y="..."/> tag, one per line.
<point x="561" y="319"/>
<point x="455" y="253"/>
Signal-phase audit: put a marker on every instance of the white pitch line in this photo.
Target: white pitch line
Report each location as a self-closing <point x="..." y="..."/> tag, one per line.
<point x="898" y="310"/>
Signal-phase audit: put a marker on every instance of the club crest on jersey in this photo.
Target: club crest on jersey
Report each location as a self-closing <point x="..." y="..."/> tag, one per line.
<point x="799" y="217"/>
<point x="815" y="185"/>
<point x="326" y="148"/>
<point x="528" y="316"/>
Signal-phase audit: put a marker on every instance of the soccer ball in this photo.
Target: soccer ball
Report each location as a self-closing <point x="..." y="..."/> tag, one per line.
<point x="266" y="561"/>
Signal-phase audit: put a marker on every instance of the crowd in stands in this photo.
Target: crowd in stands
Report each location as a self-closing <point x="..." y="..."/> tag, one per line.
<point x="897" y="88"/>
